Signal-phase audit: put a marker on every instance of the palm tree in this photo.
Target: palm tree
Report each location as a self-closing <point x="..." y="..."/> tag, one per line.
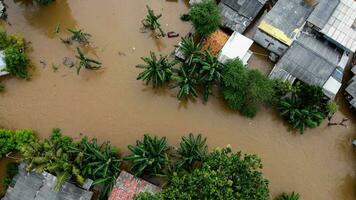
<point x="149" y="155"/>
<point x="85" y="62"/>
<point x="186" y="81"/>
<point x="190" y="49"/>
<point x="292" y="196"/>
<point x="192" y="149"/>
<point x="79" y="35"/>
<point x="159" y="71"/>
<point x="210" y="72"/>
<point x="151" y="21"/>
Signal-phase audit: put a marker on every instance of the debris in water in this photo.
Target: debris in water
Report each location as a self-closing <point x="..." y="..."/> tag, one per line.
<point x="172" y="34"/>
<point x="133" y="48"/>
<point x="55" y="67"/>
<point x="121" y="53"/>
<point x="44" y="64"/>
<point x="57" y="29"/>
<point x="68" y="62"/>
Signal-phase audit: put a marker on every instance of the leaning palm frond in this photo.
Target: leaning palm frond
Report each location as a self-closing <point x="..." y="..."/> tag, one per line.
<point x="85" y="62"/>
<point x="151" y="21"/>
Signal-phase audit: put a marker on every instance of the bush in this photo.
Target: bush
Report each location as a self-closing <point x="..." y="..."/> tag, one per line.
<point x="11" y="171"/>
<point x="11" y="41"/>
<point x="332" y="107"/>
<point x="44" y="2"/>
<point x="149" y="156"/>
<point x="16" y="62"/>
<point x="14" y="140"/>
<point x="244" y="89"/>
<point x="292" y="196"/>
<point x="223" y="175"/>
<point x="205" y="17"/>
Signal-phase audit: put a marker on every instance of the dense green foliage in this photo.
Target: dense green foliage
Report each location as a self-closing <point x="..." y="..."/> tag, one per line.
<point x="159" y="71"/>
<point x="67" y="159"/>
<point x="223" y="175"/>
<point x="332" y="107"/>
<point x="14" y="41"/>
<point x="12" y="141"/>
<point x="11" y="171"/>
<point x="16" y="62"/>
<point x="43" y="2"/>
<point x="192" y="151"/>
<point x="185" y="17"/>
<point x="292" y="196"/>
<point x="244" y="89"/>
<point x="151" y="21"/>
<point x="205" y="17"/>
<point x="149" y="156"/>
<point x="86" y="62"/>
<point x="304" y="107"/>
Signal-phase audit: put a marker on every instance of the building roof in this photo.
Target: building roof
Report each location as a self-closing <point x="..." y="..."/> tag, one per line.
<point x="286" y="19"/>
<point x="236" y="47"/>
<point x="2" y="64"/>
<point x="310" y="60"/>
<point x="341" y="26"/>
<point x="351" y="90"/>
<point x="34" y="186"/>
<point x="127" y="186"/>
<point x="322" y="12"/>
<point x="238" y="14"/>
<point x="215" y="41"/>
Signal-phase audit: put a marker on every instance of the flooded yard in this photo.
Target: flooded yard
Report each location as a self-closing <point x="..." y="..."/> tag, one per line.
<point x="112" y="105"/>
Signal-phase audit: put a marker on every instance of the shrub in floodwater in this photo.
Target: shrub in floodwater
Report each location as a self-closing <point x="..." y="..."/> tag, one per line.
<point x="159" y="71"/>
<point x="332" y="107"/>
<point x="149" y="156"/>
<point x="205" y="17"/>
<point x="292" y="196"/>
<point x="185" y="17"/>
<point x="11" y="141"/>
<point x="44" y="2"/>
<point x="151" y="21"/>
<point x="16" y="62"/>
<point x="85" y="62"/>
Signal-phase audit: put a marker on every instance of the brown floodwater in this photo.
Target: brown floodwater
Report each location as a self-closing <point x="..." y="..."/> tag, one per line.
<point x="112" y="105"/>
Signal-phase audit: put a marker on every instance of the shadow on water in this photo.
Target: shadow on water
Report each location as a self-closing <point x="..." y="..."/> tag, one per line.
<point x="47" y="18"/>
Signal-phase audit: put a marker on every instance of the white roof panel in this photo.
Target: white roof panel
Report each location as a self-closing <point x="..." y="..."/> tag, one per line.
<point x="332" y="86"/>
<point x="236" y="47"/>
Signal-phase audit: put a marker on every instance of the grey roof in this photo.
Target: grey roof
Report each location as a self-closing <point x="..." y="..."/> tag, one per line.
<point x="351" y="90"/>
<point x="288" y="15"/>
<point x="309" y="59"/>
<point x="34" y="186"/>
<point x="238" y="14"/>
<point x="339" y="27"/>
<point x="322" y="12"/>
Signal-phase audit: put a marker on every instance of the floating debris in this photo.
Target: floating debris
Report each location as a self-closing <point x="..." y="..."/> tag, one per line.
<point x="172" y="34"/>
<point x="55" y="67"/>
<point x="68" y="62"/>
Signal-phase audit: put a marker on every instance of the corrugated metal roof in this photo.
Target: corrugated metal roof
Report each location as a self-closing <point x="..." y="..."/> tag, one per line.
<point x="309" y="60"/>
<point x="288" y="16"/>
<point x="34" y="186"/>
<point x="339" y="26"/>
<point x="322" y="12"/>
<point x="351" y="90"/>
<point x="238" y="14"/>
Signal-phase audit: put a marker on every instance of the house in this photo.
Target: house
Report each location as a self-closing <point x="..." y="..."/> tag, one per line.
<point x="127" y="186"/>
<point x="282" y="24"/>
<point x="237" y="15"/>
<point x="312" y="60"/>
<point x="238" y="46"/>
<point x="351" y="89"/>
<point x="2" y="64"/>
<point x="35" y="186"/>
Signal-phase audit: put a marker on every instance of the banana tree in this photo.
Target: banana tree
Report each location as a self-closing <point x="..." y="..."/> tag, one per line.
<point x="192" y="149"/>
<point x="159" y="71"/>
<point x="187" y="81"/>
<point x="151" y="21"/>
<point x="148" y="156"/>
<point x="190" y="49"/>
<point x="85" y="62"/>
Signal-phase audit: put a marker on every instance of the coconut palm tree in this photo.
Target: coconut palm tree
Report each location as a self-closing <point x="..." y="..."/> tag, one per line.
<point x="151" y="21"/>
<point x="85" y="62"/>
<point x="159" y="71"/>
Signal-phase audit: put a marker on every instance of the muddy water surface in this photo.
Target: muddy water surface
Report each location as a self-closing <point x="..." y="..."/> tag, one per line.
<point x="111" y="105"/>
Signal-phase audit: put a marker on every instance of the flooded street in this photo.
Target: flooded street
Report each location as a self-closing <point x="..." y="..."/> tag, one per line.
<point x="112" y="105"/>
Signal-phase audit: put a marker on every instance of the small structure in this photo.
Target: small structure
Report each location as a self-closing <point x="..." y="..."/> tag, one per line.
<point x="2" y="64"/>
<point x="351" y="89"/>
<point x="215" y="42"/>
<point x="34" y="186"/>
<point x="192" y="2"/>
<point x="236" y="47"/>
<point x="127" y="186"/>
<point x="282" y="25"/>
<point x="237" y="15"/>
<point x="313" y="61"/>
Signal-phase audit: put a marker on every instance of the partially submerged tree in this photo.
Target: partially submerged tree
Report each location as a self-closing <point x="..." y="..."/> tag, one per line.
<point x="192" y="151"/>
<point x="85" y="62"/>
<point x="16" y="62"/>
<point x="187" y="81"/>
<point x="205" y="17"/>
<point x="79" y="36"/>
<point x="151" y="21"/>
<point x="159" y="71"/>
<point x="189" y="49"/>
